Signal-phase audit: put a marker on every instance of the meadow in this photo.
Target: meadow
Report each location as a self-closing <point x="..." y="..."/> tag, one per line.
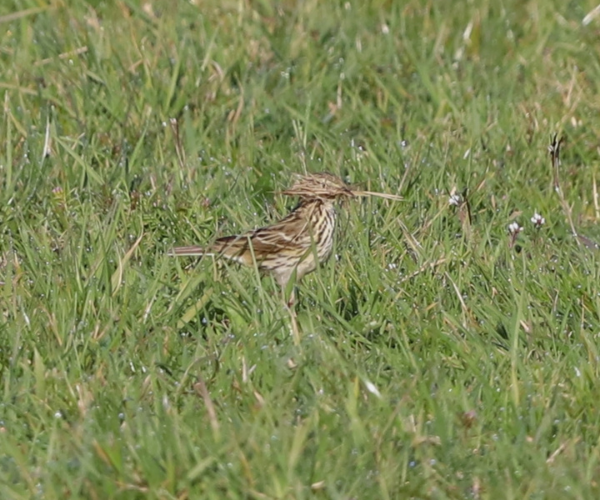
<point x="448" y="350"/>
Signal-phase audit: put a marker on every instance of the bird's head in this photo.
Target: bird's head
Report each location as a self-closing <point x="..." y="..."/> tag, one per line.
<point x="323" y="186"/>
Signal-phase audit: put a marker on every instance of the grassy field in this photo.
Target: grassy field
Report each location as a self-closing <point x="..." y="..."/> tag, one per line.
<point x="441" y="355"/>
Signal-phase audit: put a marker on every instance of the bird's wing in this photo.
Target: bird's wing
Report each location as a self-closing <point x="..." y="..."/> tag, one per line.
<point x="278" y="239"/>
<point x="289" y="236"/>
<point x="263" y="243"/>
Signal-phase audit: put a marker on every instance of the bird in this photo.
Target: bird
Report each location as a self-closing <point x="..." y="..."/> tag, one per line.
<point x="296" y="244"/>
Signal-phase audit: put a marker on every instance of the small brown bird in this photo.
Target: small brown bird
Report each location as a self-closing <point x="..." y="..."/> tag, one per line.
<point x="298" y="242"/>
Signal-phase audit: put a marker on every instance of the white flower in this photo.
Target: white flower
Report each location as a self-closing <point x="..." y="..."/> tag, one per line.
<point x="454" y="200"/>
<point x="537" y="220"/>
<point x="514" y="228"/>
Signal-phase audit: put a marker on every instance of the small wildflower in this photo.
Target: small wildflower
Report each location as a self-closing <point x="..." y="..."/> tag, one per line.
<point x="469" y="418"/>
<point x="514" y="228"/>
<point x="537" y="220"/>
<point x="455" y="200"/>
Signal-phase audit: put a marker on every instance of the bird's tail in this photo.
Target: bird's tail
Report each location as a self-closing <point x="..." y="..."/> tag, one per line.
<point x="187" y="251"/>
<point x="229" y="247"/>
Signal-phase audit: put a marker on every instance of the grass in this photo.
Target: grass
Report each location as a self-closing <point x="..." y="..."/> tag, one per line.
<point x="440" y="357"/>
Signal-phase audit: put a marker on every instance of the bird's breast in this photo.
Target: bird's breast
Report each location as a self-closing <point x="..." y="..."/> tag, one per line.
<point x="324" y="230"/>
